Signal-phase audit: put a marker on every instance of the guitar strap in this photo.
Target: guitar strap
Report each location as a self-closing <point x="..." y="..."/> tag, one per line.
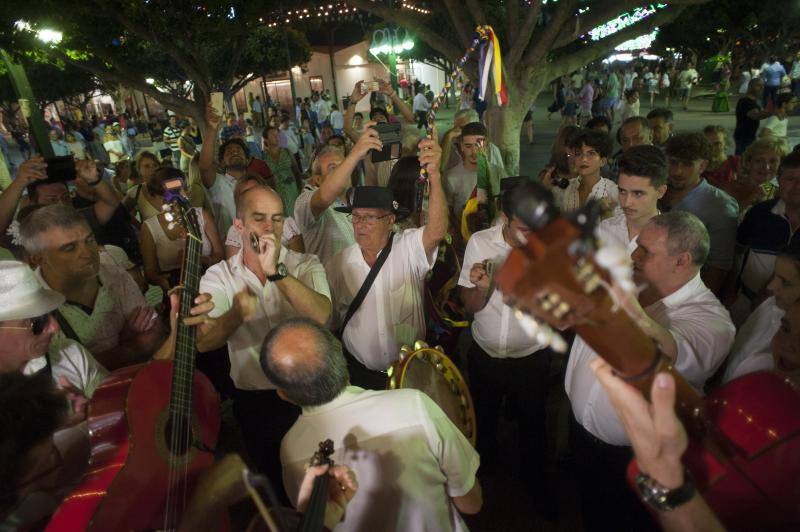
<point x="66" y="328"/>
<point x="362" y="292"/>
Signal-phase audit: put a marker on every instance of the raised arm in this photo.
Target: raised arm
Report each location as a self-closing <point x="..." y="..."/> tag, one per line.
<point x="207" y="170"/>
<point x="436" y="228"/>
<point x="355" y="97"/>
<point x="107" y="198"/>
<point x="398" y="103"/>
<point x="336" y="183"/>
<point x="34" y="169"/>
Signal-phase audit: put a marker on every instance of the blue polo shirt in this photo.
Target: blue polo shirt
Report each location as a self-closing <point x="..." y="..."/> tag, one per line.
<point x="719" y="212"/>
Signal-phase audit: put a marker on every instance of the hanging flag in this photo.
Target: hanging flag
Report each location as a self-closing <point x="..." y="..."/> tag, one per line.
<point x="491" y="63"/>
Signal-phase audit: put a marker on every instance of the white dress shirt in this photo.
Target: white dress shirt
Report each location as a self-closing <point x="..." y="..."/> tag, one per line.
<point x="614" y="231"/>
<point x="495" y="328"/>
<point x="223" y="204"/>
<point x="569" y="200"/>
<point x="420" y="103"/>
<point x="408" y="456"/>
<point x="754" y="337"/>
<point x="392" y="314"/>
<point x="703" y="331"/>
<point x="70" y="360"/>
<point x="327" y="234"/>
<point x="227" y="278"/>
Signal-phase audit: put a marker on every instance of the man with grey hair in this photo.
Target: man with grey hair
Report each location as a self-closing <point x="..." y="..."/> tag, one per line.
<point x="415" y="469"/>
<point x="104" y="308"/>
<point x="690" y="327"/>
<point x="326" y="231"/>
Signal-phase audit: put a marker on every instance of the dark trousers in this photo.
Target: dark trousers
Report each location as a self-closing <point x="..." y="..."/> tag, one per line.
<point x="264" y="419"/>
<point x="608" y="503"/>
<point x="362" y="376"/>
<point x="422" y="119"/>
<point x="523" y="383"/>
<point x="769" y="95"/>
<point x="742" y="144"/>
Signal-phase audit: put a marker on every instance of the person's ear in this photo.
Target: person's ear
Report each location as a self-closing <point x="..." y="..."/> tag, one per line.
<point x="238" y="223"/>
<point x="660" y="191"/>
<point x="684" y="260"/>
<point x="703" y="165"/>
<point x="36" y="260"/>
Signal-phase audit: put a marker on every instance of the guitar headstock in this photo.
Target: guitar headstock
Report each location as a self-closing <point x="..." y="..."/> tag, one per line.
<point x="323" y="455"/>
<point x="560" y="279"/>
<point x="178" y="209"/>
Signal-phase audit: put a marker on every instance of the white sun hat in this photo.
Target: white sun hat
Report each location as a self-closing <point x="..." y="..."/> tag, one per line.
<point x="22" y="295"/>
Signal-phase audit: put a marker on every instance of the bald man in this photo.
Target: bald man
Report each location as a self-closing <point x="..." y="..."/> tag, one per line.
<point x="253" y="291"/>
<point x="415" y="469"/>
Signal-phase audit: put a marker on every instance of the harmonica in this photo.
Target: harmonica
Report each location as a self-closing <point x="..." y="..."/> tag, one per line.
<point x="254" y="243"/>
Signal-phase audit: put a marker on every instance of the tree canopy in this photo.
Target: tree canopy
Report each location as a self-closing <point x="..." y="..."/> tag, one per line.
<point x="188" y="49"/>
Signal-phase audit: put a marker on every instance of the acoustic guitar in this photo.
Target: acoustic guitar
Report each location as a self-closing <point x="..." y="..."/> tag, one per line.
<point x="153" y="427"/>
<point x="744" y="450"/>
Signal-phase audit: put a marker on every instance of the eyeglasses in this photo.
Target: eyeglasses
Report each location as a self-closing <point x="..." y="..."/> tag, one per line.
<point x="36" y="326"/>
<point x="367" y="219"/>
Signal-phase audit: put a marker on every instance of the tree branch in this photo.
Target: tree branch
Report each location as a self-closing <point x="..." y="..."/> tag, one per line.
<point x="478" y="15"/>
<point x="433" y="38"/>
<point x="571" y="62"/>
<point x="602" y="13"/>
<point x="543" y="43"/>
<point x="524" y="34"/>
<point x="459" y="22"/>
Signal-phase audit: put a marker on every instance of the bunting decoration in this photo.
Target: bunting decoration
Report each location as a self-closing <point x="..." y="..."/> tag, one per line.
<point x="489" y="46"/>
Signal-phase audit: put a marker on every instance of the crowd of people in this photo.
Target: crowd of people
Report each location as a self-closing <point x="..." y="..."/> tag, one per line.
<point x="317" y="263"/>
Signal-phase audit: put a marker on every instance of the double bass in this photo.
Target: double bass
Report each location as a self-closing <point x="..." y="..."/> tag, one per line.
<point x="744" y="450"/>
<point x="153" y="427"/>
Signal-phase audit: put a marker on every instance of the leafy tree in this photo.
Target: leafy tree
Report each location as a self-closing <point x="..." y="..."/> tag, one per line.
<point x="540" y="41"/>
<point x="189" y="49"/>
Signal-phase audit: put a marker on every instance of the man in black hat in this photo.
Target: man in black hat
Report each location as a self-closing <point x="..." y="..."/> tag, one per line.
<point x="389" y="312"/>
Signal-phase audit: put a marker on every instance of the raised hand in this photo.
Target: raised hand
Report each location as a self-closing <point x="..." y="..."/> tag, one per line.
<point x="369" y="140"/>
<point x="86" y="171"/>
<point x="34" y="169"/>
<point x="269" y="252"/>
<point x="430" y="154"/>
<point x="356" y="96"/>
<point x="212" y="118"/>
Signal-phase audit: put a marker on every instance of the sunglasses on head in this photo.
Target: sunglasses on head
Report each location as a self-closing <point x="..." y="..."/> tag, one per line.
<point x="36" y="326"/>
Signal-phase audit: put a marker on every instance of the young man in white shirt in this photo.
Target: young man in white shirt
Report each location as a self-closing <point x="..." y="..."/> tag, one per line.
<point x="415" y="469"/>
<point x="642" y="182"/>
<point x="462" y="178"/>
<point x="252" y="292"/>
<point x="392" y="313"/>
<point x="420" y="107"/>
<point x="504" y="361"/>
<point x="690" y="327"/>
<point x="325" y="230"/>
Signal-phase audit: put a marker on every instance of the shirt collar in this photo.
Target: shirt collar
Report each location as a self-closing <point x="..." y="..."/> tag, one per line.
<point x="779" y="208"/>
<point x="348" y="394"/>
<point x="679" y="296"/>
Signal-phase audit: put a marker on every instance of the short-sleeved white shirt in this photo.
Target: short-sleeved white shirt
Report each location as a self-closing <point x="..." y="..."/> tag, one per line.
<point x="98" y="329"/>
<point x="392" y="314"/>
<point x="614" y="231"/>
<point x="327" y="234"/>
<point x="229" y="277"/>
<point x="408" y="456"/>
<point x="494" y="328"/>
<point x="70" y="360"/>
<point x="753" y="337"/>
<point x="703" y="330"/>
<point x="569" y="199"/>
<point x="223" y="204"/>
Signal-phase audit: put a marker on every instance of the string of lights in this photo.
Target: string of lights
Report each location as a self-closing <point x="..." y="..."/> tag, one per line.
<point x="337" y="10"/>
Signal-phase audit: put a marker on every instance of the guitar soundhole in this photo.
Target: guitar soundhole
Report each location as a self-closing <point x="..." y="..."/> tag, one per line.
<point x="178" y="434"/>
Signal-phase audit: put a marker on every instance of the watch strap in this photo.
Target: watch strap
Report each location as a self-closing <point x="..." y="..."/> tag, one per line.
<point x="661" y="498"/>
<point x="280" y="274"/>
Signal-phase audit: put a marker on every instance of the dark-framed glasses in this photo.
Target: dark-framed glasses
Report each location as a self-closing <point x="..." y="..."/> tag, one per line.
<point x="36" y="325"/>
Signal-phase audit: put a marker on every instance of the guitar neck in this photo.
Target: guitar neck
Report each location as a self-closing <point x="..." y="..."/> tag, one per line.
<point x="184" y="362"/>
<point x="314" y="516"/>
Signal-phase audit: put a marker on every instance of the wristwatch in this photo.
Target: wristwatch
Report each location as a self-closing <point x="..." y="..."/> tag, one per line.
<point x="280" y="273"/>
<point x="663" y="499"/>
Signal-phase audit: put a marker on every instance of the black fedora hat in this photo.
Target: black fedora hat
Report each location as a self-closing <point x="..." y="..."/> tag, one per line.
<point x="375" y="198"/>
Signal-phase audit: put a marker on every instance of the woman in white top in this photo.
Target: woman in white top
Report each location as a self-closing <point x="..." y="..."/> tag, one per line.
<point x="590" y="149"/>
<point x="76" y="147"/>
<point x="162" y="246"/>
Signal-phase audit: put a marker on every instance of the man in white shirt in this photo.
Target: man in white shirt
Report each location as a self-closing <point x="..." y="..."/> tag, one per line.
<point x="690" y="327"/>
<point x="325" y="230"/>
<point x="337" y="120"/>
<point x="104" y="308"/>
<point x="391" y="314"/>
<point x="252" y="292"/>
<point x="504" y="361"/>
<point x="462" y="178"/>
<point x="642" y="182"/>
<point x="415" y="469"/>
<point x="420" y="107"/>
<point x="323" y="109"/>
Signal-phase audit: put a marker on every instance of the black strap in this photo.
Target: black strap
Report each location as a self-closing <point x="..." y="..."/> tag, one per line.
<point x="362" y="292"/>
<point x="66" y="328"/>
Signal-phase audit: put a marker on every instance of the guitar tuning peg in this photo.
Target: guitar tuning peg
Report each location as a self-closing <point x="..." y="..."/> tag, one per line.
<point x="558" y="344"/>
<point x="528" y="324"/>
<point x="171" y="226"/>
<point x="169" y="217"/>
